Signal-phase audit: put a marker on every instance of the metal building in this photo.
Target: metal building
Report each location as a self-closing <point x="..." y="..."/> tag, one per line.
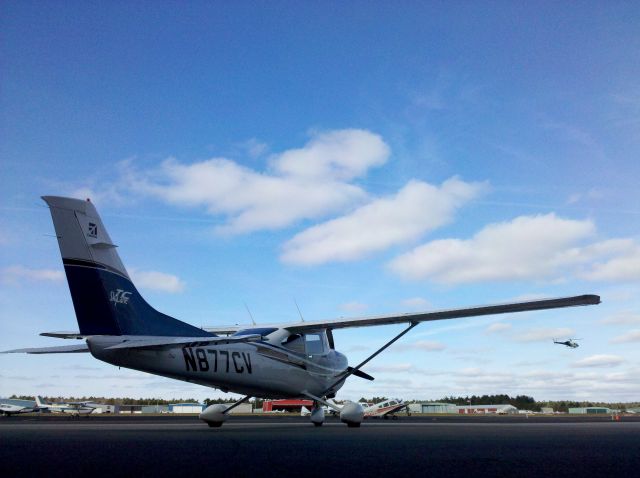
<point x="482" y="409"/>
<point x="590" y="410"/>
<point x="186" y="408"/>
<point x="433" y="407"/>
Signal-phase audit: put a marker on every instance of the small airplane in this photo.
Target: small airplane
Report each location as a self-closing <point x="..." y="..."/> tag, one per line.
<point x="569" y="343"/>
<point x="284" y="360"/>
<point x="8" y="409"/>
<point x="72" y="408"/>
<point x="385" y="409"/>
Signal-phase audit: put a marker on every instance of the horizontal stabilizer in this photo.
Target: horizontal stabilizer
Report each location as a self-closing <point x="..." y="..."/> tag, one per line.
<point x="187" y="341"/>
<point x="63" y="349"/>
<point x="63" y="335"/>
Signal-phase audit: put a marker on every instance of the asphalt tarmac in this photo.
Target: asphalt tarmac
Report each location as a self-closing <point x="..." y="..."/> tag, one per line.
<point x="290" y="446"/>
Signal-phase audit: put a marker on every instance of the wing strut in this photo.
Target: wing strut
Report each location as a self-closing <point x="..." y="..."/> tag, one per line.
<point x="242" y="400"/>
<point x="355" y="369"/>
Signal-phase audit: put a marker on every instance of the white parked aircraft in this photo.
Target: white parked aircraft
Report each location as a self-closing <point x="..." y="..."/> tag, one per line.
<point x="71" y="408"/>
<point x="9" y="409"/>
<point x="384" y="409"/>
<point x="295" y="360"/>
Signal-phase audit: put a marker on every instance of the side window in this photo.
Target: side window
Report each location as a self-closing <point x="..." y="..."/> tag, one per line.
<point x="295" y="343"/>
<point x="314" y="344"/>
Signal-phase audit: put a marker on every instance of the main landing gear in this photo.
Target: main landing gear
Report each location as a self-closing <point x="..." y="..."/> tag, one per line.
<point x="216" y="415"/>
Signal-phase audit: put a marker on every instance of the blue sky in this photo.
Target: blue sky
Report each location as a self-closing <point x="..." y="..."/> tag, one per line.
<point x="361" y="159"/>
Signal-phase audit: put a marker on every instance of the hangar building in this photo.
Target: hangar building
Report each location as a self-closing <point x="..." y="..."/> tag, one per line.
<point x="186" y="408"/>
<point x="294" y="406"/>
<point x="480" y="409"/>
<point x="590" y="410"/>
<point x="433" y="407"/>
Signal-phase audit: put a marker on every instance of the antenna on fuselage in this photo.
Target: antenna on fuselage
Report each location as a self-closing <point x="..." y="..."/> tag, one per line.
<point x="299" y="312"/>
<point x="250" y="314"/>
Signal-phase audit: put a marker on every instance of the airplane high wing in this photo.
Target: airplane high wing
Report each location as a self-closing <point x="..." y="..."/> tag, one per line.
<point x="410" y="318"/>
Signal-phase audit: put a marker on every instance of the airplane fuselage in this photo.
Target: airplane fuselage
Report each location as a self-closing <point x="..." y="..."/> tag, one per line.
<point x="260" y="369"/>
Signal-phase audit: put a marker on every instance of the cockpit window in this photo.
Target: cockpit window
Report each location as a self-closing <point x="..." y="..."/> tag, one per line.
<point x="314" y="344"/>
<point x="295" y="343"/>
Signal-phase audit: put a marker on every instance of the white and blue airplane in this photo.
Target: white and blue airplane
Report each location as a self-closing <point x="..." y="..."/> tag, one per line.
<point x="71" y="408"/>
<point x="10" y="407"/>
<point x="294" y="360"/>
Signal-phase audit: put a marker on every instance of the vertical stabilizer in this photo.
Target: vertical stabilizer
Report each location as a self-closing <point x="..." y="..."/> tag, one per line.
<point x="105" y="300"/>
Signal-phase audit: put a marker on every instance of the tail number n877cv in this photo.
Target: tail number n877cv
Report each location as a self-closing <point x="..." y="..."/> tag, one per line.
<point x="197" y="360"/>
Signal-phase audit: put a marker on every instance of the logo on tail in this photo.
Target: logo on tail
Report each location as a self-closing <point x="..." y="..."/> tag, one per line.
<point x="93" y="230"/>
<point x="119" y="296"/>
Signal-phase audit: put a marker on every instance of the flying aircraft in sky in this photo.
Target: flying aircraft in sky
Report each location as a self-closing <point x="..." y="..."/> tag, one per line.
<point x="294" y="360"/>
<point x="71" y="408"/>
<point x="569" y="343"/>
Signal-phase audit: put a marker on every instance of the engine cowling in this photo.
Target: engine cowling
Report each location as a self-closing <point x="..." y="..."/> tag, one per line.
<point x="214" y="415"/>
<point x="352" y="414"/>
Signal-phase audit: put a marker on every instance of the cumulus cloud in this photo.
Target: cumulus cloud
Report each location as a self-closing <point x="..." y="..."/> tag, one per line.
<point x="498" y="327"/>
<point x="631" y="336"/>
<point x="543" y="334"/>
<point x="423" y="345"/>
<point x="416" y="209"/>
<point x="20" y="274"/>
<point x="599" y="361"/>
<point x="304" y="183"/>
<point x="624" y="266"/>
<point x="416" y="303"/>
<point x="353" y="307"/>
<point x="526" y="248"/>
<point x="623" y="318"/>
<point x="157" y="281"/>
<point x="391" y="368"/>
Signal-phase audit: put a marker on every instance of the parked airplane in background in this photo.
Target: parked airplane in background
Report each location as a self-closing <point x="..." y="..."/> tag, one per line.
<point x="9" y="409"/>
<point x="72" y="408"/>
<point x="294" y="360"/>
<point x="385" y="409"/>
<point x="569" y="343"/>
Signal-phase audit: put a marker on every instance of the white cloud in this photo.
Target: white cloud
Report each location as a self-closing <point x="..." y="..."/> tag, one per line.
<point x="19" y="274"/>
<point x="543" y="247"/>
<point x="354" y="306"/>
<point x="498" y="327"/>
<point x="416" y="209"/>
<point x="423" y="345"/>
<point x="543" y="334"/>
<point x="304" y="183"/>
<point x="157" y="281"/>
<point x="391" y="368"/>
<point x="525" y="248"/>
<point x="623" y="318"/>
<point x="416" y="303"/>
<point x="599" y="361"/>
<point x="631" y="336"/>
<point x="623" y="267"/>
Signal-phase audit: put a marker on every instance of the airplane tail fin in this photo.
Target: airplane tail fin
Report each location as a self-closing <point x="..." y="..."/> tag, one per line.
<point x="39" y="402"/>
<point x="104" y="298"/>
